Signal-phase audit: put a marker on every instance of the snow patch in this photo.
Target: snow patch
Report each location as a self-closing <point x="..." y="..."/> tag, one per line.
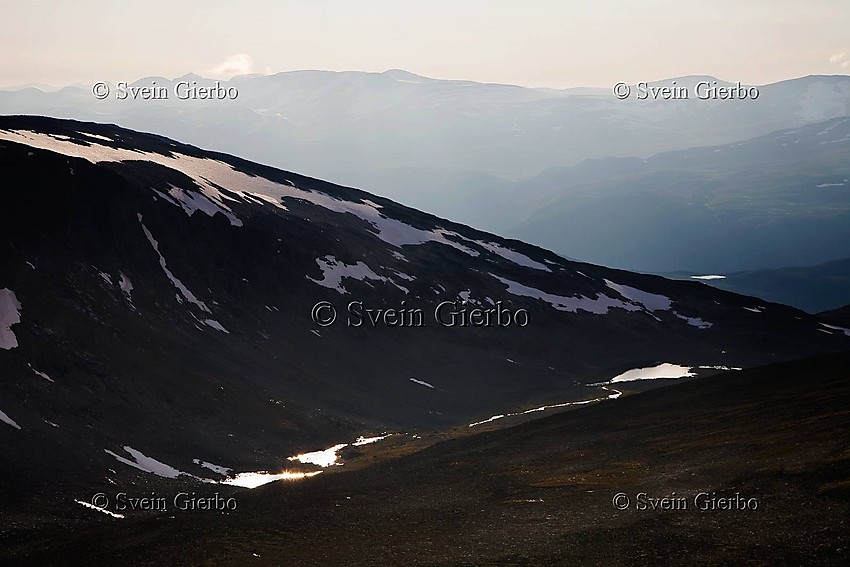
<point x="215" y="325"/>
<point x="599" y="306"/>
<point x="148" y="464"/>
<point x="694" y="321"/>
<point x="267" y="199"/>
<point x="42" y="374"/>
<point x="488" y="420"/>
<point x="662" y="371"/>
<point x="190" y="297"/>
<point x="421" y="383"/>
<point x="255" y="479"/>
<point x="655" y="302"/>
<point x="368" y="440"/>
<point x="650" y="301"/>
<point x="836" y="328"/>
<point x="6" y="419"/>
<point x="10" y="314"/>
<point x="517" y="258"/>
<point x="325" y="458"/>
<point x="97" y="137"/>
<point x="333" y="271"/>
<point x="613" y="395"/>
<point x="223" y="471"/>
<point x="98" y="508"/>
<point x="126" y="286"/>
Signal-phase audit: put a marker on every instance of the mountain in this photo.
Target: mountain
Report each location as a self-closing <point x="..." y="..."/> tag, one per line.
<point x="161" y="321"/>
<point x="770" y="202"/>
<point x="359" y="128"/>
<point x="37" y="86"/>
<point x="542" y="165"/>
<point x="840" y="316"/>
<point x="753" y="467"/>
<point x="810" y="288"/>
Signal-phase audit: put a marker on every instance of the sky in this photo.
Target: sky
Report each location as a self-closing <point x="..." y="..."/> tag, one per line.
<point x="545" y="43"/>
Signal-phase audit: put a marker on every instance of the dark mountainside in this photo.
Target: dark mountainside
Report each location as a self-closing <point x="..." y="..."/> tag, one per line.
<point x="164" y="296"/>
<point x="840" y="316"/>
<point x="810" y="288"/>
<point x="542" y="493"/>
<point x="778" y="200"/>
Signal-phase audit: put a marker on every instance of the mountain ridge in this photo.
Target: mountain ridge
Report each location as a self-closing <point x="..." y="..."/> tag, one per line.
<point x="747" y="197"/>
<point x="165" y="300"/>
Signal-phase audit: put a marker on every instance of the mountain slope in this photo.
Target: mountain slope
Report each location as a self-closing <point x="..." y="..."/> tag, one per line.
<point x="768" y="444"/>
<point x="778" y="200"/>
<point x="840" y="316"/>
<point x="156" y="314"/>
<point x="811" y="288"/>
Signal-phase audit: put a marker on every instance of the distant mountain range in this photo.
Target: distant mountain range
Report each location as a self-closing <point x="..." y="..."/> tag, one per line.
<point x="823" y="287"/>
<point x="157" y="307"/>
<point x="778" y="200"/>
<point x="352" y="127"/>
<point x="459" y="148"/>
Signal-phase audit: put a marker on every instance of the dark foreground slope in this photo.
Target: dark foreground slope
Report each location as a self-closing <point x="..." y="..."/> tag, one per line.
<point x="542" y="493"/>
<point x="156" y="314"/>
<point x="840" y="316"/>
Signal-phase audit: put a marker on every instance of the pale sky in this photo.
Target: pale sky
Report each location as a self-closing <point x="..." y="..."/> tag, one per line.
<point x="552" y="43"/>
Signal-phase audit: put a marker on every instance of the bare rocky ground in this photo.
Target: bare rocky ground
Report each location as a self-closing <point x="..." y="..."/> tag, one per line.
<point x="540" y="493"/>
